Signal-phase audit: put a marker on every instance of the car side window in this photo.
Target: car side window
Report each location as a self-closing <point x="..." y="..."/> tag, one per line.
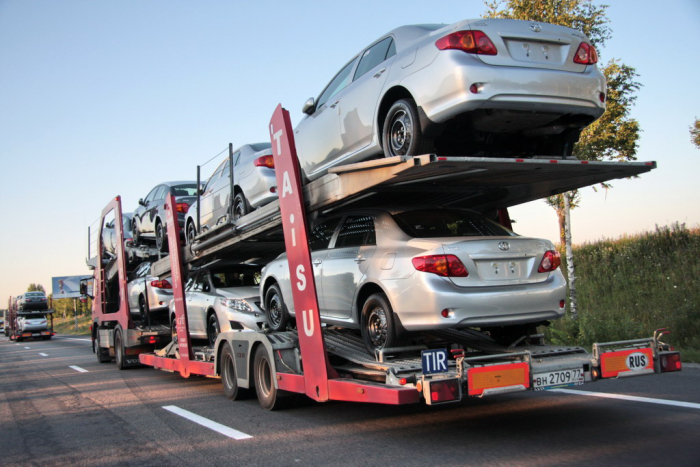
<point x="374" y="56"/>
<point x="201" y="283"/>
<point x="236" y="158"/>
<point x="151" y="196"/>
<point x="216" y="175"/>
<point x="160" y="194"/>
<point x="190" y="283"/>
<point x="356" y="231"/>
<point x="341" y="80"/>
<point x="320" y="237"/>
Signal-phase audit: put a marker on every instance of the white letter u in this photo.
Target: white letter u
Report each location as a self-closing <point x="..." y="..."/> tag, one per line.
<point x="308" y="322"/>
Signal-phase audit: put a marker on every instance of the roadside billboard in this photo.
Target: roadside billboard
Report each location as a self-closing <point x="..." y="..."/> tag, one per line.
<point x="66" y="286"/>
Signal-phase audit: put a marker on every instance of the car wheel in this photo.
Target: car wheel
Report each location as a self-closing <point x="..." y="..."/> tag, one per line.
<point x="136" y="232"/>
<point x="142" y="308"/>
<point x="240" y="206"/>
<point x="119" y="350"/>
<point x="275" y="309"/>
<point x="229" y="374"/>
<point x="377" y="323"/>
<point x="270" y="397"/>
<point x="402" y="134"/>
<point x="213" y="329"/>
<point x="191" y="233"/>
<point x="173" y="329"/>
<point x="161" y="238"/>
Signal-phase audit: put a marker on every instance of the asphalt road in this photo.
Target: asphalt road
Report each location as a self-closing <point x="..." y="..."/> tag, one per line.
<point x="58" y="406"/>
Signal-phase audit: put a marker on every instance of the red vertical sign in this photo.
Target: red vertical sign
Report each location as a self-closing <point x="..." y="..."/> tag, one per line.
<point x="316" y="369"/>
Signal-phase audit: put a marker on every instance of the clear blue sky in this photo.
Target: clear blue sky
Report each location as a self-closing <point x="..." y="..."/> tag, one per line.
<point x="104" y="98"/>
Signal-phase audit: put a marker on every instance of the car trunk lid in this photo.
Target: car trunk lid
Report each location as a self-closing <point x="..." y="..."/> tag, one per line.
<point x="531" y="44"/>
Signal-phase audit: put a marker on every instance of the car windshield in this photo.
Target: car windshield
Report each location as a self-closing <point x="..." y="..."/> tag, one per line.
<point x="448" y="223"/>
<point x="222" y="278"/>
<point x="185" y="190"/>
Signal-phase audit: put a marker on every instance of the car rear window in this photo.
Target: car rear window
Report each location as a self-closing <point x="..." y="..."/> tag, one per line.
<point x="448" y="223"/>
<point x="35" y="294"/>
<point x="185" y="190"/>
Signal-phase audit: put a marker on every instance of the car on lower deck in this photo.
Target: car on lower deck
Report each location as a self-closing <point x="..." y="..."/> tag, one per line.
<point x="479" y="87"/>
<point x="391" y="272"/>
<point x="222" y="297"/>
<point x="149" y="291"/>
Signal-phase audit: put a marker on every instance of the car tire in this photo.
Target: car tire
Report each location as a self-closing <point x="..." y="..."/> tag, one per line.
<point x="377" y="323"/>
<point x="213" y="329"/>
<point x="161" y="238"/>
<point x="269" y="397"/>
<point x="402" y="134"/>
<point x="276" y="311"/>
<point x="229" y="375"/>
<point x="102" y="354"/>
<point x="136" y="232"/>
<point x="191" y="232"/>
<point x="119" y="350"/>
<point x="142" y="308"/>
<point x="240" y="206"/>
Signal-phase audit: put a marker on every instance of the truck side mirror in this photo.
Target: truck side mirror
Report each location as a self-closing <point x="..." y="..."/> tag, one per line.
<point x="309" y="106"/>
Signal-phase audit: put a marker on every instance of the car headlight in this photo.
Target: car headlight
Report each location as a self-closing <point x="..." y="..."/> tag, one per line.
<point x="237" y="304"/>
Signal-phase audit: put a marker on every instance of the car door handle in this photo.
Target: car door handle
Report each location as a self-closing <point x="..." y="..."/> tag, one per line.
<point x="379" y="73"/>
<point x="317" y="262"/>
<point x="334" y="104"/>
<point x="360" y="258"/>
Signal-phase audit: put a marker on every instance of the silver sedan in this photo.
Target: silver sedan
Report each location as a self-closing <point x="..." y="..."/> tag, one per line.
<point x="254" y="185"/>
<point x="483" y="87"/>
<point x="143" y="288"/>
<point x="389" y="272"/>
<point x="222" y="297"/>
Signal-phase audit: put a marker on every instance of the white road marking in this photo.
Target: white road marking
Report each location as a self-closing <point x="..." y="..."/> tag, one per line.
<point x="43" y="354"/>
<point x="28" y="348"/>
<point x="649" y="400"/>
<point x="77" y="368"/>
<point x="205" y="422"/>
<point x="71" y="339"/>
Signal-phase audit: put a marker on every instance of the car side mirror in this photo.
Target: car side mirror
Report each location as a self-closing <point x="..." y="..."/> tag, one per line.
<point x="309" y="106"/>
<point x="141" y="202"/>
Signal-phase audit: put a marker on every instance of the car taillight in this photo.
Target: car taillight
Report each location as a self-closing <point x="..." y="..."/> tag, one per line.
<point x="182" y="207"/>
<point x="163" y="284"/>
<point x="550" y="261"/>
<point x="265" y="161"/>
<point x="472" y="42"/>
<point x="442" y="265"/>
<point x="586" y="54"/>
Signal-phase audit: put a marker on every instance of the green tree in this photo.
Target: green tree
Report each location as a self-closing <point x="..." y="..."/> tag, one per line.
<point x="695" y="133"/>
<point x="36" y="288"/>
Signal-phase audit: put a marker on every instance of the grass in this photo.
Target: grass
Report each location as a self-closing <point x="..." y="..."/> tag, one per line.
<point x="629" y="287"/>
<point x="67" y="325"/>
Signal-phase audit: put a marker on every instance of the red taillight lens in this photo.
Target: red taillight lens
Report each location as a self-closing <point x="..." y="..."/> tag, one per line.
<point x="265" y="161"/>
<point x="444" y="390"/>
<point x="550" y="261"/>
<point x="182" y="207"/>
<point x="472" y="42"/>
<point x="442" y="265"/>
<point x="161" y="284"/>
<point x="586" y="54"/>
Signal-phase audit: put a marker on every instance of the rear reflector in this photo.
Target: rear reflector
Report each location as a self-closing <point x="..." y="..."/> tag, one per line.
<point x="472" y="42"/>
<point x="550" y="261"/>
<point x="265" y="161"/>
<point x="442" y="265"/>
<point x="445" y="390"/>
<point x="670" y="361"/>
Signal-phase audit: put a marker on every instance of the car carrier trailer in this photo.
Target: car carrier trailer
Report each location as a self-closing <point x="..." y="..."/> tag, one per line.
<point x="12" y="326"/>
<point x="328" y="363"/>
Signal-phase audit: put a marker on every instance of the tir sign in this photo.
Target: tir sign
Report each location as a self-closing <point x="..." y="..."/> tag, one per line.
<point x="434" y="361"/>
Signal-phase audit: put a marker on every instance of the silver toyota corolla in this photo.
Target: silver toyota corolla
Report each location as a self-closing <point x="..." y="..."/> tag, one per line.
<point x="390" y="271"/>
<point x="254" y="185"/>
<point x="159" y="293"/>
<point x="482" y="87"/>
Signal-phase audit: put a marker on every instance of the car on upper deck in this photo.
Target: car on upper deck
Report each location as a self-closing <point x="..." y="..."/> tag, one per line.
<point x="32" y="301"/>
<point x="480" y="87"/>
<point x="390" y="272"/>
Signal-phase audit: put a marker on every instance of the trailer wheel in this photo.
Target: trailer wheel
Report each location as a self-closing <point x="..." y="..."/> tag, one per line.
<point x="102" y="354"/>
<point x="213" y="329"/>
<point x="161" y="239"/>
<point x="377" y="323"/>
<point x="402" y="134"/>
<point x="269" y="397"/>
<point x="229" y="374"/>
<point x="119" y="350"/>
<point x="275" y="309"/>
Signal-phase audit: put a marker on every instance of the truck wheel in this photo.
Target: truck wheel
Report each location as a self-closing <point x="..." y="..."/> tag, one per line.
<point x="228" y="376"/>
<point x="240" y="206"/>
<point x="377" y="323"/>
<point x="275" y="309"/>
<point x="269" y="397"/>
<point x="402" y="134"/>
<point x="119" y="350"/>
<point x="102" y="354"/>
<point x="213" y="329"/>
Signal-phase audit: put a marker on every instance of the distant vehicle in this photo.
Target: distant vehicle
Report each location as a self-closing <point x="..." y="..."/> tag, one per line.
<point x="149" y="216"/>
<point x="160" y="292"/>
<point x="486" y="87"/>
<point x="222" y="297"/>
<point x="2" y="324"/>
<point x="109" y="236"/>
<point x="389" y="272"/>
<point x="32" y="301"/>
<point x="254" y="186"/>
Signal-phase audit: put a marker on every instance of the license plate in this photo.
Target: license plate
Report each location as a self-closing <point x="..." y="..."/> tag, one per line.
<point x="557" y="379"/>
<point x="434" y="361"/>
